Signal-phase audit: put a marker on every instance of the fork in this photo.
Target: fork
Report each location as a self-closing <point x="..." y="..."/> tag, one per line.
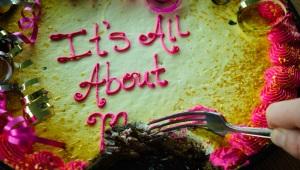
<point x="211" y="121"/>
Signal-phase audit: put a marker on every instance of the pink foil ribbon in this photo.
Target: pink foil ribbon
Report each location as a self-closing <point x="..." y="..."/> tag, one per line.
<point x="20" y="133"/>
<point x="17" y="136"/>
<point x="157" y="6"/>
<point x="282" y="81"/>
<point x="29" y="23"/>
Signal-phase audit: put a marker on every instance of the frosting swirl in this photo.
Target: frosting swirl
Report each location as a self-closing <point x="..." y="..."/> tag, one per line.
<point x="258" y="117"/>
<point x="248" y="144"/>
<point x="285" y="54"/>
<point x="271" y="94"/>
<point x="9" y="153"/>
<point x="283" y="77"/>
<point x="44" y="160"/>
<point x="284" y="31"/>
<point x="270" y="10"/>
<point x="78" y="165"/>
<point x="227" y="157"/>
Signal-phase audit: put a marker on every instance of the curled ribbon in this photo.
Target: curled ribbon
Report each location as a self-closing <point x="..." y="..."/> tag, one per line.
<point x="29" y="22"/>
<point x="3" y="103"/>
<point x="163" y="6"/>
<point x="21" y="134"/>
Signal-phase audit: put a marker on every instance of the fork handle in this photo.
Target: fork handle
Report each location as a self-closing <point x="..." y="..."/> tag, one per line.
<point x="252" y="131"/>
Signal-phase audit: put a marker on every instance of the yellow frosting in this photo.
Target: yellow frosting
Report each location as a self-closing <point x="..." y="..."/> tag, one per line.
<point x="218" y="66"/>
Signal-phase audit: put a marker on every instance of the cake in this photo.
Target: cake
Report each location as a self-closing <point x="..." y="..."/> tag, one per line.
<point x="121" y="60"/>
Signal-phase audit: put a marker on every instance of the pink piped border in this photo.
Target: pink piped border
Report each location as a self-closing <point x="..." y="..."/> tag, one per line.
<point x="282" y="81"/>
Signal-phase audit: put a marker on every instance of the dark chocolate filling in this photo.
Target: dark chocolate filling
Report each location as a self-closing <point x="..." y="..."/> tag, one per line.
<point x="132" y="148"/>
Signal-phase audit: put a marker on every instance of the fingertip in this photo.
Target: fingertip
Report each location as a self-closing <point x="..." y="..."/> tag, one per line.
<point x="278" y="137"/>
<point x="288" y="140"/>
<point x="284" y="114"/>
<point x="271" y="110"/>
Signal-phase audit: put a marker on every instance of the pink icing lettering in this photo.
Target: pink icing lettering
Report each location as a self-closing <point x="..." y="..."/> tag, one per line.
<point x="180" y="33"/>
<point x="158" y="33"/>
<point x="128" y="78"/>
<point x="171" y="37"/>
<point x="120" y="36"/>
<point x="127" y="82"/>
<point x="92" y="120"/>
<point x="110" y="80"/>
<point x="157" y="71"/>
<point x="94" y="82"/>
<point x="107" y="24"/>
<point x="96" y="39"/>
<point x="70" y="37"/>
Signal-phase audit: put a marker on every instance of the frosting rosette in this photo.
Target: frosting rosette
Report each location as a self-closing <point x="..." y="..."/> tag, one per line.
<point x="270" y="10"/>
<point x="9" y="153"/>
<point x="284" y="31"/>
<point x="283" y="77"/>
<point x="271" y="94"/>
<point x="258" y="117"/>
<point x="163" y="6"/>
<point x="228" y="158"/>
<point x="285" y="54"/>
<point x="240" y="148"/>
<point x="78" y="165"/>
<point x="248" y="144"/>
<point x="43" y="160"/>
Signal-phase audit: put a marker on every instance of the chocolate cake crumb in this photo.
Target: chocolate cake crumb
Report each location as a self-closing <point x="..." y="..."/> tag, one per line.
<point x="230" y="22"/>
<point x="132" y="148"/>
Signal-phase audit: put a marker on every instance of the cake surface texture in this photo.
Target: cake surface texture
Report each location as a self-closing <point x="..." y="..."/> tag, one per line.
<point x="200" y="60"/>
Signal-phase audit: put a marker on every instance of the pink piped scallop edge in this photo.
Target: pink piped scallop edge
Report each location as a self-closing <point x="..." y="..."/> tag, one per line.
<point x="240" y="147"/>
<point x="282" y="82"/>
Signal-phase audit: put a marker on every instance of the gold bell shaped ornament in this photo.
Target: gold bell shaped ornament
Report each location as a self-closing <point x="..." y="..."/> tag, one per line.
<point x="251" y="15"/>
<point x="9" y="48"/>
<point x="7" y="5"/>
<point x="6" y="68"/>
<point x="220" y="2"/>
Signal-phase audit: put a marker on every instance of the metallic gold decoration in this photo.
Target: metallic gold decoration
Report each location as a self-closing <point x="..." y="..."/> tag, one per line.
<point x="39" y="108"/>
<point x="250" y="20"/>
<point x="23" y="65"/>
<point x="6" y="57"/>
<point x="4" y="87"/>
<point x="29" y="83"/>
<point x="4" y="7"/>
<point x="15" y="2"/>
<point x="14" y="43"/>
<point x="32" y="97"/>
<point x="220" y="2"/>
<point x="3" y="34"/>
<point x="6" y="69"/>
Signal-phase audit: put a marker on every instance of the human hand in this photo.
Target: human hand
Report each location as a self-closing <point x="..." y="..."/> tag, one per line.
<point x="284" y="118"/>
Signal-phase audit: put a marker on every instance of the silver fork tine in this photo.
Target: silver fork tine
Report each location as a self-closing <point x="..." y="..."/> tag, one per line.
<point x="173" y="122"/>
<point x="212" y="121"/>
<point x="182" y="126"/>
<point x="177" y="115"/>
